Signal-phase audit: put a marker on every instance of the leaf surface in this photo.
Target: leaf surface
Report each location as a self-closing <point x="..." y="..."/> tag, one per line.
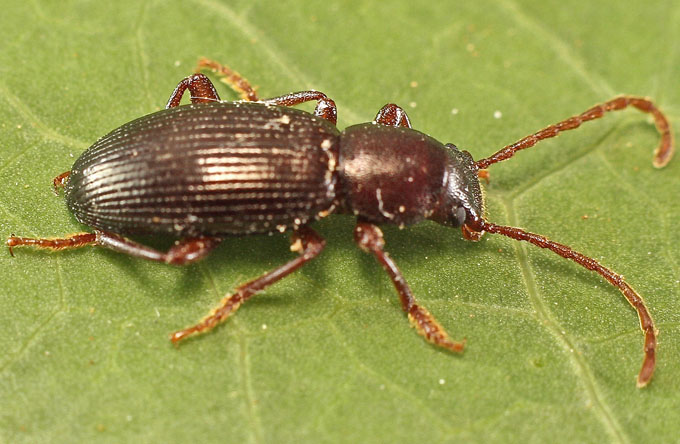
<point x="326" y="355"/>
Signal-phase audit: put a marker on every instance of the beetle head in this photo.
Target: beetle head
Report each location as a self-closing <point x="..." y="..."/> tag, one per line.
<point x="461" y="202"/>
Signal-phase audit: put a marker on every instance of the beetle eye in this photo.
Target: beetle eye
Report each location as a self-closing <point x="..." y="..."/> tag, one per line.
<point x="458" y="216"/>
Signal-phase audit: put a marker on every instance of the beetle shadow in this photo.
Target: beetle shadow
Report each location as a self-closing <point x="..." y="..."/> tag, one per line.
<point x="259" y="254"/>
<point x="408" y="245"/>
<point x="148" y="273"/>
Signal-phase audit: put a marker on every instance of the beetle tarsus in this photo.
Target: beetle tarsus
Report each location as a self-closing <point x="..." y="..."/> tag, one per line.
<point x="370" y="239"/>
<point x="73" y="241"/>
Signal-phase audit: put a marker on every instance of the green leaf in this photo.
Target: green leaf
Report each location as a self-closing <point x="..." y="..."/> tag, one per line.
<point x="327" y="355"/>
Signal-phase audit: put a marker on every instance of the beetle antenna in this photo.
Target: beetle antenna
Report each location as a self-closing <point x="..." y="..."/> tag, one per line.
<point x="662" y="155"/>
<point x="646" y="322"/>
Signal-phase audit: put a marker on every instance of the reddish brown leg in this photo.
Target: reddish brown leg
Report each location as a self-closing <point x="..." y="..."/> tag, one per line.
<point x="201" y="88"/>
<point x="183" y="252"/>
<point x="325" y="107"/>
<point x="72" y="241"/>
<point x="231" y="78"/>
<point x="305" y="241"/>
<point x="60" y="181"/>
<point x="370" y="239"/>
<point x="646" y="322"/>
<point x="392" y="115"/>
<point x="662" y="155"/>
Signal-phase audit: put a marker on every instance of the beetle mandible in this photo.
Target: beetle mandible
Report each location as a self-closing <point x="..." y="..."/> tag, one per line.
<point x="211" y="169"/>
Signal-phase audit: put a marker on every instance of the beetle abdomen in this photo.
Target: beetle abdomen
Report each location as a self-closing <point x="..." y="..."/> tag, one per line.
<point x="208" y="169"/>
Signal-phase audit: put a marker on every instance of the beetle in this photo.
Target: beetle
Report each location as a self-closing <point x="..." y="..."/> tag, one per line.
<point x="211" y="169"/>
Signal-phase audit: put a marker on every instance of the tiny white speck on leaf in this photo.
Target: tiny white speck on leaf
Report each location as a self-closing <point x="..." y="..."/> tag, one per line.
<point x="497" y="114"/>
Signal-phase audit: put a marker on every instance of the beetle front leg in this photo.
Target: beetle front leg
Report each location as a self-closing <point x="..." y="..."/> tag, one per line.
<point x="392" y="115"/>
<point x="305" y="241"/>
<point x="370" y="239"/>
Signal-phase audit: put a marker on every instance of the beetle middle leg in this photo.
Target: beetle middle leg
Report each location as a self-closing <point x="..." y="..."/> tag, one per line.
<point x="370" y="239"/>
<point x="305" y="241"/>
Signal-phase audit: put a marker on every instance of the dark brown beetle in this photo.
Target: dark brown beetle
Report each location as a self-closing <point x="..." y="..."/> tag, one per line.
<point x="211" y="169"/>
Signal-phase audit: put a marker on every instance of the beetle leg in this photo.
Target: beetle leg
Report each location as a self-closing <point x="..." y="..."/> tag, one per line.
<point x="662" y="155"/>
<point x="392" y="115"/>
<point x="305" y="241"/>
<point x="185" y="251"/>
<point x="60" y="181"/>
<point x="370" y="239"/>
<point x="325" y="107"/>
<point x="69" y="242"/>
<point x="231" y="78"/>
<point x="201" y="88"/>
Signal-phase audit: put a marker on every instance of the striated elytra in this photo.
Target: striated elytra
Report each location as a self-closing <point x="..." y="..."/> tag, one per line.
<point x="211" y="169"/>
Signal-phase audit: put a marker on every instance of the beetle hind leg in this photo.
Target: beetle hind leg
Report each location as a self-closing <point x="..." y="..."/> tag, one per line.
<point x="305" y="241"/>
<point x="370" y="239"/>
<point x="235" y="80"/>
<point x="201" y="88"/>
<point x="184" y="252"/>
<point x="69" y="242"/>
